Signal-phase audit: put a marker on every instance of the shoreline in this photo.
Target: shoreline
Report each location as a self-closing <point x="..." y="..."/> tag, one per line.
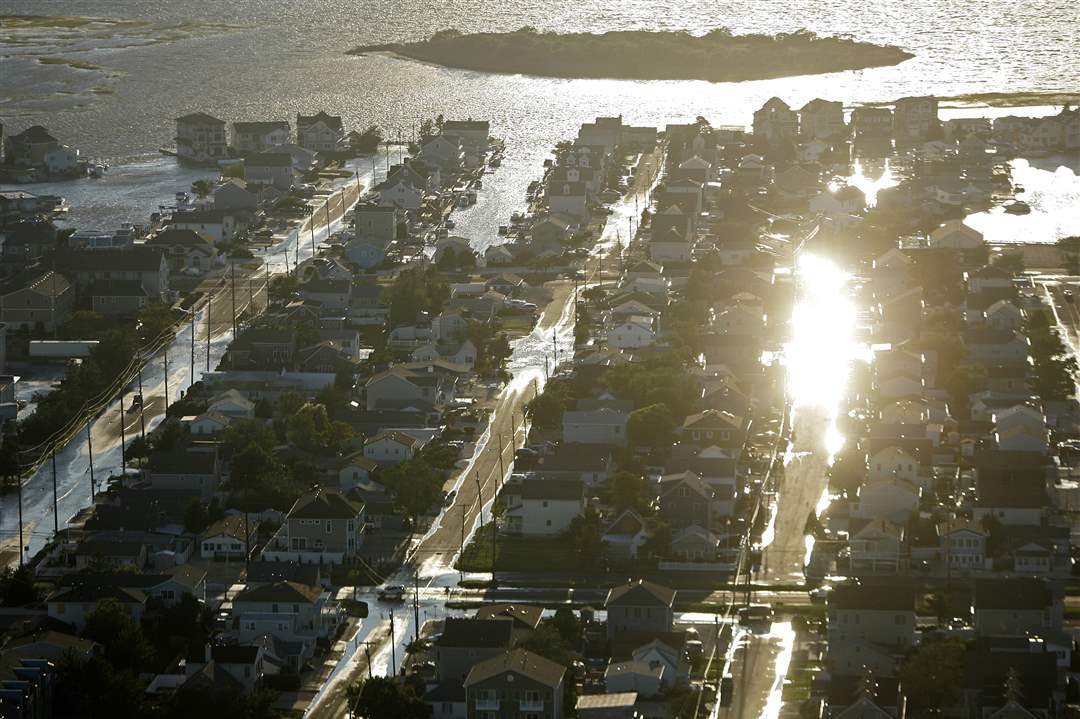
<point x="636" y="55"/>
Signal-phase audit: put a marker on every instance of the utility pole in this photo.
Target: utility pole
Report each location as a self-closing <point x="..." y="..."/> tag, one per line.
<point x="232" y="266"/>
<point x="165" y="356"/>
<point x="192" y="346"/>
<point x="55" y="511"/>
<point x="555" y="347"/>
<point x="461" y="551"/>
<point x="18" y="485"/>
<point x="123" y="450"/>
<point x="479" y="497"/>
<point x="209" y="308"/>
<point x="311" y="226"/>
<point x="90" y="450"/>
<point x="142" y="402"/>
<point x="502" y="472"/>
<point x="367" y="653"/>
<point x="247" y="544"/>
<point x="416" y="605"/>
<point x="393" y="649"/>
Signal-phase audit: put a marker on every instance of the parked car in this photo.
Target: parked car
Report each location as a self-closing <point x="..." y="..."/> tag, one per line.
<point x="392" y="593"/>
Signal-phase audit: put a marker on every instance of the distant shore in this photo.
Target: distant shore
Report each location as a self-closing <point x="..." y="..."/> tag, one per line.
<point x="640" y="55"/>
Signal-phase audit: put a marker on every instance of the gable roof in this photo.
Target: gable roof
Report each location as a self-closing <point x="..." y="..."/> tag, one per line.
<point x="476" y="633"/>
<point x="872" y="597"/>
<point x="1013" y="593"/>
<point x="325" y="504"/>
<point x="519" y="661"/>
<point x="283" y="592"/>
<point x="524" y="614"/>
<point x="640" y="593"/>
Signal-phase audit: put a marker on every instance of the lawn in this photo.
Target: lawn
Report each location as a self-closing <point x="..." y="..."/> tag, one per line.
<point x="518" y="554"/>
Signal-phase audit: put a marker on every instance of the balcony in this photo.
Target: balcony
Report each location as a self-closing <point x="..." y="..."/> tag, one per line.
<point x="531" y="705"/>
<point x="487" y="704"/>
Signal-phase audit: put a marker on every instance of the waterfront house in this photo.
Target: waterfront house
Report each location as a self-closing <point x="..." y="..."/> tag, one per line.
<point x="891" y="498"/>
<point x="634" y="333"/>
<point x="914" y="118"/>
<point x="200" y="138"/>
<point x="29" y="147"/>
<point x="319" y="132"/>
<point x="515" y="685"/>
<point x="551" y="232"/>
<point x="639" y="606"/>
<point x="634" y="676"/>
<point x="256" y="137"/>
<point x="672" y="246"/>
<point x="401" y="194"/>
<point x="400" y="387"/>
<point x="194" y="471"/>
<point x="775" y="123"/>
<point x="955" y="235"/>
<point x="269" y="168"/>
<point x="376" y="224"/>
<point x="822" y="120"/>
<point x="963" y="546"/>
<point x="36" y="300"/>
<point x="62" y="160"/>
<point x="467" y="642"/>
<point x="296" y="614"/>
<point x="185" y="249"/>
<point x="219" y="225"/>
<point x="322" y="526"/>
<point x="71" y="605"/>
<point x="625" y="536"/>
<point x="871" y="122"/>
<point x="444" y="152"/>
<point x="540" y="506"/>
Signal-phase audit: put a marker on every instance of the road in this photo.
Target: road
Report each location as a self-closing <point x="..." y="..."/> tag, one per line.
<point x="73" y="471"/>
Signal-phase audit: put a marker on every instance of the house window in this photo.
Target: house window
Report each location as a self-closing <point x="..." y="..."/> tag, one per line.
<point x="329" y="526"/>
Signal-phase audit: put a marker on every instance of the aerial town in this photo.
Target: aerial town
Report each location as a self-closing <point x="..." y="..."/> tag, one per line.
<point x="717" y="421"/>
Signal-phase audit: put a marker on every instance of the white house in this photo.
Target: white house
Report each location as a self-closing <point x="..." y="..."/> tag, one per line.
<point x="672" y="246"/>
<point x="208" y="424"/>
<point x="893" y="462"/>
<point x="569" y="198"/>
<point x="319" y="132"/>
<point x="540" y="506"/>
<point x="225" y="539"/>
<point x="634" y="333"/>
<point x="963" y="546"/>
<point x="893" y="499"/>
<point x="955" y="235"/>
<point x="400" y="194"/>
<point x="634" y="676"/>
<point x="232" y="404"/>
<point x="601" y="426"/>
<point x="391" y="447"/>
<point x="61" y="159"/>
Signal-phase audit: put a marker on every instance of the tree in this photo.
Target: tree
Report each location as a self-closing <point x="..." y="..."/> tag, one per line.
<point x="385" y="698"/>
<point x="932" y="674"/>
<point x="110" y="625"/>
<point x="312" y="430"/>
<point x="17" y="587"/>
<point x="650" y="426"/>
<point x="416" y="485"/>
<point x="196" y="518"/>
<point x="414" y="291"/>
<point x="202" y="188"/>
<point x="547" y="642"/>
<point x="628" y="491"/>
<point x="567" y="624"/>
<point x="586" y="536"/>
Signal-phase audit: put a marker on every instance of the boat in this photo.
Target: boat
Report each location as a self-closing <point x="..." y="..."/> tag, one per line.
<point x="472" y="198"/>
<point x="96" y="171"/>
<point x="1017" y="207"/>
<point x="503" y="229"/>
<point x="449" y="224"/>
<point x="463" y="200"/>
<point x="516" y="217"/>
<point x="495" y="161"/>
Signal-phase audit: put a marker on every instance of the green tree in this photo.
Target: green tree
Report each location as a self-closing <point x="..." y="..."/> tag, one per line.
<point x="17" y="587"/>
<point x="416" y="485"/>
<point x="548" y="643"/>
<point x="414" y="291"/>
<point x="567" y="624"/>
<point x="385" y="698"/>
<point x="586" y="536"/>
<point x="932" y="674"/>
<point x="196" y="518"/>
<point x="202" y="188"/>
<point x="650" y="426"/>
<point x="110" y="625"/>
<point x="628" y="491"/>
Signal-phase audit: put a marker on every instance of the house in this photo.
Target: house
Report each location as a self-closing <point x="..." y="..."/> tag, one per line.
<point x="244" y="664"/>
<point x="391" y="447"/>
<point x="695" y="544"/>
<point x="525" y="618"/>
<point x="892" y="498"/>
<point x="36" y="300"/>
<point x="232" y="404"/>
<point x="686" y="500"/>
<point x="329" y="294"/>
<point x="635" y="676"/>
<point x="601" y="426"/>
<point x="989" y="346"/>
<point x="796" y="181"/>
<point x="226" y="538"/>
<point x="608" y="706"/>
<point x="473" y="134"/>
<point x="29" y="147"/>
<point x="713" y="428"/>
<point x="822" y="119"/>
<point x="444" y="152"/>
<point x="1004" y="315"/>
<point x="72" y="604"/>
<point x="319" y="132"/>
<point x="461" y="353"/>
<point x="1012" y="498"/>
<point x="118" y="298"/>
<point x="963" y="546"/>
<point x="270" y="168"/>
<point x="1021" y="428"/>
<point x="1016" y="605"/>
<point x="569" y="198"/>
<point x="401" y="194"/>
<point x="625" y="536"/>
<point x="322" y="526"/>
<point x="847" y="200"/>
<point x="632" y="334"/>
<point x="869" y="625"/>
<point x="289" y="611"/>
<point x="207" y="424"/>
<point x="871" y="122"/>
<point x="876" y="546"/>
<point x="218" y="225"/>
<point x="446" y="699"/>
<point x="672" y="246"/>
<point x="515" y="685"/>
<point x="551" y="232"/>
<point x="894" y="463"/>
<point x="639" y="606"/>
<point x="955" y="235"/>
<point x="400" y="387"/>
<point x="195" y="471"/>
<point x="256" y="137"/>
<point x="185" y="249"/>
<point x="915" y="117"/>
<point x="667" y="653"/>
<point x="538" y="506"/>
<point x="355" y="470"/>
<point x="200" y="138"/>
<point x="466" y="643"/>
<point x="376" y="224"/>
<point x="775" y="123"/>
<point x="61" y="160"/>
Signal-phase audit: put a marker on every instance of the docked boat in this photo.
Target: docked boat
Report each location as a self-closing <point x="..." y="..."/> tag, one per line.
<point x="1017" y="207"/>
<point x="503" y="229"/>
<point x="449" y="224"/>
